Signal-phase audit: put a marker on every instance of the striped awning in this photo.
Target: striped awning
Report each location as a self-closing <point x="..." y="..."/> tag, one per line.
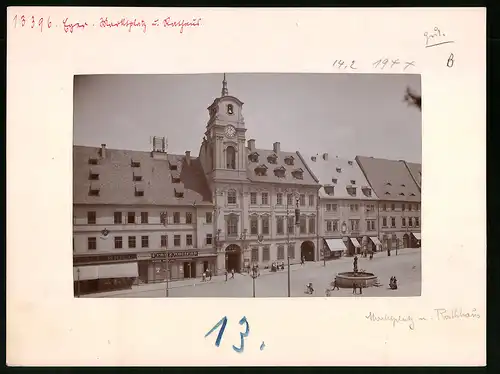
<point x="375" y="240"/>
<point x="335" y="245"/>
<point x="416" y="235"/>
<point x="105" y="271"/>
<point x="355" y="242"/>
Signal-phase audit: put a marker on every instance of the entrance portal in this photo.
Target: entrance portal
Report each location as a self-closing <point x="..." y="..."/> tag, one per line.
<point x="406" y="241"/>
<point x="307" y="250"/>
<point x="233" y="258"/>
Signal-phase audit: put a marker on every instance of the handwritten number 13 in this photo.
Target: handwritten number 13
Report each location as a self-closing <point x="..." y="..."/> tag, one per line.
<point x="243" y="335"/>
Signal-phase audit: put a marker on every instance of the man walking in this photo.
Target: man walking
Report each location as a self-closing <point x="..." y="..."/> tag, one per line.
<point x="225" y="273"/>
<point x="354" y="288"/>
<point x="335" y="285"/>
<point x="232" y="273"/>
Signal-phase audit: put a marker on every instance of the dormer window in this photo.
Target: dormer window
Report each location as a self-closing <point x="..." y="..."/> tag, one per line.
<point x="330" y="190"/>
<point x="136" y="164"/>
<point x="289" y="160"/>
<point x="94" y="190"/>
<point x="353" y="181"/>
<point x="92" y="161"/>
<point x="179" y="193"/>
<point x="402" y="185"/>
<point x="313" y="158"/>
<point x="230" y="109"/>
<point x="401" y="194"/>
<point x="387" y="193"/>
<point x="334" y="180"/>
<point x="176" y="180"/>
<point x="351" y="190"/>
<point x="298" y="174"/>
<point x="412" y="194"/>
<point x="93" y="176"/>
<point x="280" y="172"/>
<point x="339" y="170"/>
<point x="173" y="167"/>
<point x="388" y="184"/>
<point x="368" y="192"/>
<point x="261" y="170"/>
<point x="139" y="190"/>
<point x="349" y="162"/>
<point x="137" y="177"/>
<point x="253" y="157"/>
<point x="272" y="159"/>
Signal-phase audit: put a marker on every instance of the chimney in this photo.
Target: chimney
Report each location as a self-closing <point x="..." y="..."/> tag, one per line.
<point x="276" y="148"/>
<point x="103" y="150"/>
<point x="188" y="157"/>
<point x="325" y="156"/>
<point x="251" y="144"/>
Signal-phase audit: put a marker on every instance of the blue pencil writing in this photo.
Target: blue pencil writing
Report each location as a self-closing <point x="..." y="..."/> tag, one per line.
<point x="243" y="335"/>
<point x="223" y="321"/>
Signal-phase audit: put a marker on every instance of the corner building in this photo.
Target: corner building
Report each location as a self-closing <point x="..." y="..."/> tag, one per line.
<point x="255" y="193"/>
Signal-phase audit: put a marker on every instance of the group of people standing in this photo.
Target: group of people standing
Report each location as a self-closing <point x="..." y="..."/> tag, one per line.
<point x="206" y="274"/>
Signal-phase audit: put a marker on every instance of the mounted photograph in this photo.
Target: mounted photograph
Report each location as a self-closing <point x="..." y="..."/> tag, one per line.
<point x="247" y="185"/>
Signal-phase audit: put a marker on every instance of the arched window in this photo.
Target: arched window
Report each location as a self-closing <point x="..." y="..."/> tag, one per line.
<point x="230" y="158"/>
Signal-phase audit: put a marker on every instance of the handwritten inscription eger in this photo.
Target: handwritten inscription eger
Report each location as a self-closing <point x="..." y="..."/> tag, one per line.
<point x="439" y="314"/>
<point x="69" y="26"/>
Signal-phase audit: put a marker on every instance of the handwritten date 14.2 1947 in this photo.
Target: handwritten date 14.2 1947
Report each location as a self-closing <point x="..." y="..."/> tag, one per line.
<point x="379" y="64"/>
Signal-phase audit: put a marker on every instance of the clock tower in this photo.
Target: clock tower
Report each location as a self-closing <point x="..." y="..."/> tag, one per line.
<point x="225" y="137"/>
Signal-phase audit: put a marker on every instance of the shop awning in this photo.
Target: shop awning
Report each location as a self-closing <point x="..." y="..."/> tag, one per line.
<point x="375" y="240"/>
<point x="416" y="235"/>
<point x="355" y="242"/>
<point x="335" y="245"/>
<point x="125" y="270"/>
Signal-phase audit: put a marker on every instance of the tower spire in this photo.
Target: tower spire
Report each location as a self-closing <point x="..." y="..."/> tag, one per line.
<point x="224" y="87"/>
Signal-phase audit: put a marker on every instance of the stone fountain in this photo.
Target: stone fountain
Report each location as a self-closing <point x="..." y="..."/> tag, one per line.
<point x="361" y="278"/>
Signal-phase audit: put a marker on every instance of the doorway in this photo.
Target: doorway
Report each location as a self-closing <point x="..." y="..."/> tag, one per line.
<point x="406" y="241"/>
<point x="307" y="250"/>
<point x="233" y="258"/>
<point x="205" y="266"/>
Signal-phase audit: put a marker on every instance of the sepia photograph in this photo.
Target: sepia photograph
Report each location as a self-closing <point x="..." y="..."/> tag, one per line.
<point x="247" y="185"/>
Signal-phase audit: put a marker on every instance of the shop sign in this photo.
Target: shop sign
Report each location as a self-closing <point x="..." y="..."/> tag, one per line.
<point x="174" y="254"/>
<point x="105" y="258"/>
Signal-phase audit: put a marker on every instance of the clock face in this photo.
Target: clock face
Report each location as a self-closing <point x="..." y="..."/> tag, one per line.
<point x="230" y="131"/>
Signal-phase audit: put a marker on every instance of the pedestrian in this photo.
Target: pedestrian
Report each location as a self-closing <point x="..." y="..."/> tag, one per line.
<point x="204" y="277"/>
<point x="335" y="285"/>
<point x="225" y="273"/>
<point x="361" y="289"/>
<point x="209" y="274"/>
<point x="232" y="273"/>
<point x="354" y="288"/>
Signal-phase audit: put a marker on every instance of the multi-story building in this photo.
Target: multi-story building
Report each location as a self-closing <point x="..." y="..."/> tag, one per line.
<point x="348" y="206"/>
<point x="134" y="210"/>
<point x="255" y="193"/>
<point x="399" y="200"/>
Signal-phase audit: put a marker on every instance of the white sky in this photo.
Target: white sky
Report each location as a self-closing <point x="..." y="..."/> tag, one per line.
<point x="341" y="114"/>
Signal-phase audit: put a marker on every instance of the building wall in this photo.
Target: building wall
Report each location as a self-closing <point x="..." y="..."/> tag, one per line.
<point x="394" y="209"/>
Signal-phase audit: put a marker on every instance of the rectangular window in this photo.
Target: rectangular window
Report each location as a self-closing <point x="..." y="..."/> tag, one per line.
<point x="403" y="207"/>
<point x="177" y="240"/>
<point x="329" y="226"/>
<point x="189" y="240"/>
<point x="393" y="207"/>
<point x="384" y="207"/>
<point x="118" y="242"/>
<point x="291" y="223"/>
<point x="232" y="226"/>
<point x="410" y="222"/>
<point x="291" y="251"/>
<point x="231" y="197"/>
<point x="253" y="198"/>
<point x="289" y="199"/>
<point x="334" y="207"/>
<point x="265" y="198"/>
<point x="280" y="230"/>
<point x="131" y="241"/>
<point x="144" y="217"/>
<point x="417" y="222"/>
<point x="189" y="217"/>
<point x="384" y="221"/>
<point x="303" y="224"/>
<point x="281" y="252"/>
<point x="266" y="254"/>
<point x="118" y="218"/>
<point x="403" y="222"/>
<point x="393" y="221"/>
<point x="354" y="224"/>
<point x="177" y="217"/>
<point x="164" y="241"/>
<point x="254" y="226"/>
<point x="265" y="225"/>
<point x="145" y="241"/>
<point x="302" y="200"/>
<point x="91" y="218"/>
<point x="208" y="217"/>
<point x="279" y="199"/>
<point x="312" y="225"/>
<point x="91" y="243"/>
<point x="328" y="207"/>
<point x="255" y="254"/>
<point x="208" y="239"/>
<point x="130" y="217"/>
<point x="311" y="200"/>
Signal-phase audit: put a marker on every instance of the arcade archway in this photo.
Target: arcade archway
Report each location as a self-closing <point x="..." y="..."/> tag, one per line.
<point x="233" y="258"/>
<point x="307" y="250"/>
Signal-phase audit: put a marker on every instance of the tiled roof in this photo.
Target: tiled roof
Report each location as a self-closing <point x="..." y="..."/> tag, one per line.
<point x="116" y="178"/>
<point x="390" y="179"/>
<point x="416" y="172"/>
<point x="264" y="161"/>
<point x="339" y="174"/>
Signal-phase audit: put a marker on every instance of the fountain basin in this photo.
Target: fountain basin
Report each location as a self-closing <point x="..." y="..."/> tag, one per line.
<point x="361" y="278"/>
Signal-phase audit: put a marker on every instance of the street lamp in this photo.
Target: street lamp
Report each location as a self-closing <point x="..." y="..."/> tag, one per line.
<point x="288" y="265"/>
<point x="78" y="282"/>
<point x="254" y="275"/>
<point x="343" y="229"/>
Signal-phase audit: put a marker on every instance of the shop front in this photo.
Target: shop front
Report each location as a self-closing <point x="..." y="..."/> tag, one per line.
<point x="100" y="273"/>
<point x="175" y="265"/>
